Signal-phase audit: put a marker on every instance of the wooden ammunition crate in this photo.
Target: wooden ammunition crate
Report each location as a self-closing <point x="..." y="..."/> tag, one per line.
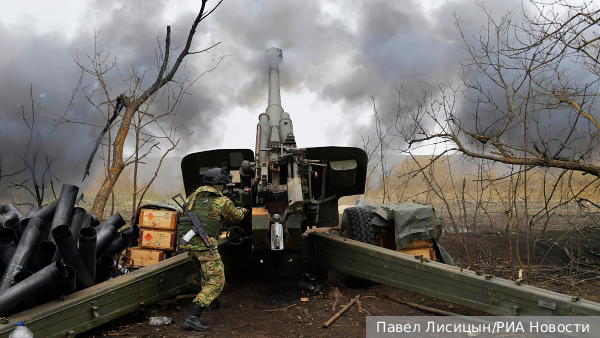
<point x="384" y="236"/>
<point x="144" y="257"/>
<point x="422" y="247"/>
<point x="157" y="239"/>
<point x="158" y="219"/>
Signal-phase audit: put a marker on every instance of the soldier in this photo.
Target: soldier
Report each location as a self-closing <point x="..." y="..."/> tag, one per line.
<point x="211" y="207"/>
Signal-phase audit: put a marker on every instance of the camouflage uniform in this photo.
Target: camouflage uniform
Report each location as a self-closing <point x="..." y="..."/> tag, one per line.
<point x="211" y="267"/>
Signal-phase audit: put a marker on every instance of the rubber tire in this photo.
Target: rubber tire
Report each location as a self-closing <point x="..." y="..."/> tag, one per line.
<point x="357" y="222"/>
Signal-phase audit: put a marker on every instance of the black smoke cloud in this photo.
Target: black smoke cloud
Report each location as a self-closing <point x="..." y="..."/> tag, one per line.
<point x="367" y="48"/>
<point x="373" y="48"/>
<point x="127" y="33"/>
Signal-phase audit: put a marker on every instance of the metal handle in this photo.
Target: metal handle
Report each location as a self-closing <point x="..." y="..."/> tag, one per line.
<point x="182" y="199"/>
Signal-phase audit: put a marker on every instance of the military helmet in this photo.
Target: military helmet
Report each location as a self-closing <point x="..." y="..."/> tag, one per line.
<point x="216" y="176"/>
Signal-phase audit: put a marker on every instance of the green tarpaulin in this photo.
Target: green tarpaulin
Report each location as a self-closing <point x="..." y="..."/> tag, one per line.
<point x="412" y="222"/>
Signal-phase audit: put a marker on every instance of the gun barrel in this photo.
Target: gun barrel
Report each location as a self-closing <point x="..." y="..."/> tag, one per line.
<point x="274" y="57"/>
<point x="274" y="126"/>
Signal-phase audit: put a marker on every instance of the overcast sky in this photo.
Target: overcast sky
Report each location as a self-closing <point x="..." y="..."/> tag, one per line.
<point x="337" y="54"/>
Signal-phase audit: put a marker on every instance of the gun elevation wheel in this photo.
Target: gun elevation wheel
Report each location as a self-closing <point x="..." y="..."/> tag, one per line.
<point x="235" y="235"/>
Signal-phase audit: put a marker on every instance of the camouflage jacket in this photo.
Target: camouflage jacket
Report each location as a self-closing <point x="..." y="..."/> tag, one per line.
<point x="222" y="208"/>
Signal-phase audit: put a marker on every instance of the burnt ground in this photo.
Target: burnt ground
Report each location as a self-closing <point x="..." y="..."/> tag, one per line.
<point x="250" y="302"/>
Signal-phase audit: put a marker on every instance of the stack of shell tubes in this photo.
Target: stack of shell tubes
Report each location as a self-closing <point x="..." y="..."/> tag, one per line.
<point x="56" y="250"/>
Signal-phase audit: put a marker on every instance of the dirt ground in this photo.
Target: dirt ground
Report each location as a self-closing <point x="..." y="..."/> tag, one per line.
<point x="251" y="303"/>
<point x="249" y="313"/>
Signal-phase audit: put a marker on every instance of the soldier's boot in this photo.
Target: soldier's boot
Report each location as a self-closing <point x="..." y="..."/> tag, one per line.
<point x="192" y="321"/>
<point x="216" y="305"/>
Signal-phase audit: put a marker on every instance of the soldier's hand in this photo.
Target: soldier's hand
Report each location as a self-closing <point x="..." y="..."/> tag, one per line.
<point x="245" y="210"/>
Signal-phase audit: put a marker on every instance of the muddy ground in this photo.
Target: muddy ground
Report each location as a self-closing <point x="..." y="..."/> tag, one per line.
<point x="252" y="303"/>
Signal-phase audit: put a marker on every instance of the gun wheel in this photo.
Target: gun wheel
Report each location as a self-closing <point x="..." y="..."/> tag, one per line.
<point x="356" y="222"/>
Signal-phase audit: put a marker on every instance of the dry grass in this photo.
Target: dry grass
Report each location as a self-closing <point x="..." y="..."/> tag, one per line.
<point x="550" y="206"/>
<point x="411" y="181"/>
<point x="123" y="191"/>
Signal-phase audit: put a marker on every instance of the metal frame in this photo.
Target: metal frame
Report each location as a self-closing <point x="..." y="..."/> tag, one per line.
<point x="481" y="292"/>
<point x="99" y="304"/>
<point x="104" y="302"/>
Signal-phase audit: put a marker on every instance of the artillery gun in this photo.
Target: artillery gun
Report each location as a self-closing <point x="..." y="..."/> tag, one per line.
<point x="287" y="188"/>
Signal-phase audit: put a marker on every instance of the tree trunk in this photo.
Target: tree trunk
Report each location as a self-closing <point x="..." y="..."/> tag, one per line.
<point x="117" y="164"/>
<point x="163" y="77"/>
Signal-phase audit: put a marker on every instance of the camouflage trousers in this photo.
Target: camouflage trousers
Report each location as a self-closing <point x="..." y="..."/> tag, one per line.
<point x="212" y="276"/>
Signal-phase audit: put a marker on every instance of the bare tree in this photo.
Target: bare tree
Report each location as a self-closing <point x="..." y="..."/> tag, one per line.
<point x="378" y="167"/>
<point x="36" y="175"/>
<point x="527" y="97"/>
<point x="131" y="112"/>
<point x="165" y="130"/>
<point x="529" y="92"/>
<point x="377" y="154"/>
